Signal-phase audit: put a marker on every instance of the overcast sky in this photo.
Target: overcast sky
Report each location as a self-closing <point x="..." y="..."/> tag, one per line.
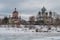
<point x="27" y="8"/>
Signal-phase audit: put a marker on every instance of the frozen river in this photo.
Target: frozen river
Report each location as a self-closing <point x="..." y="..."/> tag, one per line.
<point x="32" y="36"/>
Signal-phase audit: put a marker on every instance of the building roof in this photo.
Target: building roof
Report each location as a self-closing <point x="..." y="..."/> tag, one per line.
<point x="43" y="9"/>
<point x="15" y="11"/>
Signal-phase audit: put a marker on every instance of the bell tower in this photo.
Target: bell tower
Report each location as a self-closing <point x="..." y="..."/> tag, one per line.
<point x="43" y="9"/>
<point x="15" y="14"/>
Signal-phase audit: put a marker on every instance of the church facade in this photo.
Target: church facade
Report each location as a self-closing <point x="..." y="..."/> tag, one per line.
<point x="44" y="17"/>
<point x="14" y="19"/>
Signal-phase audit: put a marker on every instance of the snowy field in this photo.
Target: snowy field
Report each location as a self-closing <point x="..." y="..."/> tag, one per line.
<point x="30" y="36"/>
<point x="9" y="33"/>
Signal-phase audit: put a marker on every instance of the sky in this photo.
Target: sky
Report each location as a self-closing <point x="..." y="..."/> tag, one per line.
<point x="27" y="8"/>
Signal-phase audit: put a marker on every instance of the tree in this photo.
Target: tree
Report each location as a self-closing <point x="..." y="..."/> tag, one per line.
<point x="5" y="20"/>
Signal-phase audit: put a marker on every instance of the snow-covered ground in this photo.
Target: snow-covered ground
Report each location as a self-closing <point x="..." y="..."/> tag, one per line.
<point x="6" y="29"/>
<point x="32" y="36"/>
<point x="9" y="33"/>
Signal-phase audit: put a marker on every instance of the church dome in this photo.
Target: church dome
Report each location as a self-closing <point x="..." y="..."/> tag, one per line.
<point x="39" y="13"/>
<point x="43" y="9"/>
<point x="15" y="11"/>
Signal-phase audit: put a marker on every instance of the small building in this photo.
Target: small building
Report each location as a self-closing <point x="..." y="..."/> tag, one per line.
<point x="32" y="20"/>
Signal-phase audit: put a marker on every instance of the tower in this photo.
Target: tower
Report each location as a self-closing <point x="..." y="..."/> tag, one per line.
<point x="43" y="9"/>
<point x="50" y="14"/>
<point x="39" y="13"/>
<point x="15" y="14"/>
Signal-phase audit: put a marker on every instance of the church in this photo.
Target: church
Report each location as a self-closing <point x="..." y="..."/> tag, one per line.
<point x="44" y="17"/>
<point x="14" y="19"/>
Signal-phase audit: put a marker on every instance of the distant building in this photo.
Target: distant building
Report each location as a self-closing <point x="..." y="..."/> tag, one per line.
<point x="32" y="20"/>
<point x="44" y="17"/>
<point x="57" y="22"/>
<point x="14" y="19"/>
